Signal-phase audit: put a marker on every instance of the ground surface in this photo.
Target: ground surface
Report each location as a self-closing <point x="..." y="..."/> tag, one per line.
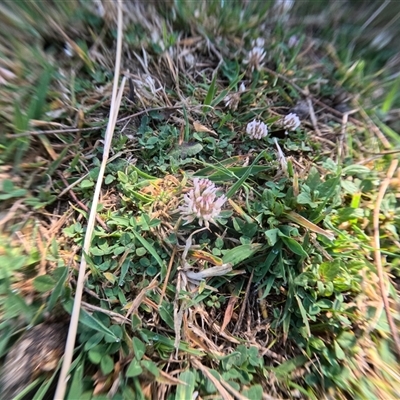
<point x="290" y="290"/>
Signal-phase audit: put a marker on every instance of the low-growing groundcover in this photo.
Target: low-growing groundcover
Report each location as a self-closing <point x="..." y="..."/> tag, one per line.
<point x="235" y="252"/>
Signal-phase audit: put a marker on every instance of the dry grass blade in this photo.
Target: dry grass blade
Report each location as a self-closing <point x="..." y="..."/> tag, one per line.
<point x="222" y="391"/>
<point x="378" y="256"/>
<point x="115" y="103"/>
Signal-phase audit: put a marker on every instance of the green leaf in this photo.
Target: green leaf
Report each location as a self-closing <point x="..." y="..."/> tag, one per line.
<point x="303" y="315"/>
<point x="134" y="369"/>
<point x="166" y="314"/>
<point x="149" y="248"/>
<point x="305" y="197"/>
<point x="293" y="246"/>
<point x="139" y="348"/>
<point x="95" y="356"/>
<point x="339" y="352"/>
<point x="240" y="253"/>
<point x="391" y="96"/>
<point x="62" y="272"/>
<point x="287" y="367"/>
<point x="151" y="367"/>
<point x="186" y="150"/>
<point x="93" y="341"/>
<point x="356" y="169"/>
<point x="272" y="236"/>
<point x="76" y="388"/>
<point x="210" y="92"/>
<point x="255" y="392"/>
<point x="93" y="323"/>
<point x="329" y="270"/>
<point x="185" y="391"/>
<point x="44" y="283"/>
<point x="109" y="179"/>
<point x="86" y="183"/>
<point x="106" y="364"/>
<point x="316" y="343"/>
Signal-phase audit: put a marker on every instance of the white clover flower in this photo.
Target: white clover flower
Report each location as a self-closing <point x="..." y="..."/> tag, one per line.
<point x="189" y="59"/>
<point x="201" y="202"/>
<point x="259" y="42"/>
<point x="232" y="100"/>
<point x="146" y="87"/>
<point x="283" y="6"/>
<point x="256" y="55"/>
<point x="291" y="122"/>
<point x="293" y="41"/>
<point x="256" y="129"/>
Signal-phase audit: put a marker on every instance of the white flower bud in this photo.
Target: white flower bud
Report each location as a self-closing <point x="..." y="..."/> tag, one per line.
<point x="256" y="129"/>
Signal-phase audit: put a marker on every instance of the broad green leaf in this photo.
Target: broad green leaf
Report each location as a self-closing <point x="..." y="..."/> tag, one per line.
<point x="166" y="315"/>
<point x="356" y="169"/>
<point x="185" y="391"/>
<point x="329" y="270"/>
<point x="93" y="323"/>
<point x="76" y="387"/>
<point x="339" y="352"/>
<point x="287" y="367"/>
<point x="106" y="364"/>
<point x="139" y="348"/>
<point x="44" y="283"/>
<point x="151" y="367"/>
<point x="122" y="177"/>
<point x="240" y="253"/>
<point x="94" y="340"/>
<point x="95" y="356"/>
<point x="255" y="392"/>
<point x="134" y="369"/>
<point x="86" y="183"/>
<point x="294" y="246"/>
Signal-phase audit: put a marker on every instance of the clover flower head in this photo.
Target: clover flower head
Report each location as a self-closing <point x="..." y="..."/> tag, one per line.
<point x="291" y="122"/>
<point x="259" y="42"/>
<point x="256" y="129"/>
<point x="146" y="87"/>
<point x="232" y="100"/>
<point x="283" y="6"/>
<point x="201" y="202"/>
<point x="293" y="41"/>
<point x="256" y="55"/>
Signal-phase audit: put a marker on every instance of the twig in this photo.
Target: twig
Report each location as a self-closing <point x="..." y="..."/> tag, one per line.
<point x="73" y="327"/>
<point x="378" y="256"/>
